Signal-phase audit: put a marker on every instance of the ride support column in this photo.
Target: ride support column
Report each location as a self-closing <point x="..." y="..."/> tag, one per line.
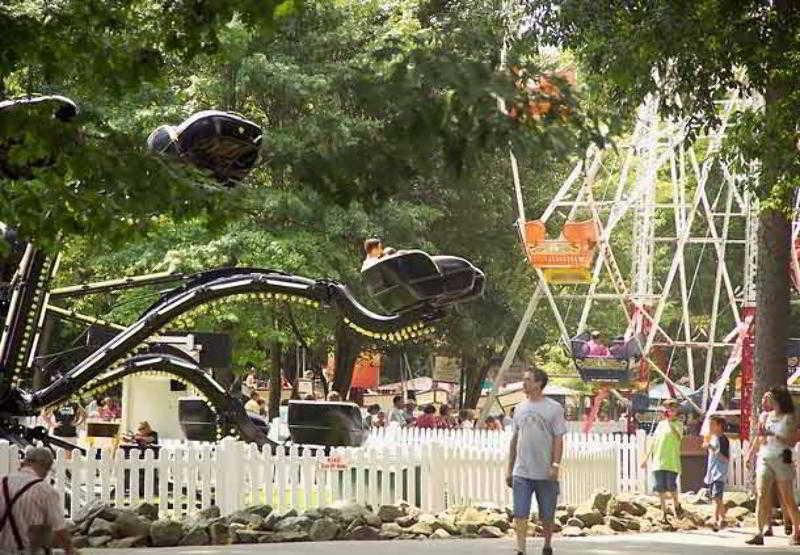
<point x="748" y="348"/>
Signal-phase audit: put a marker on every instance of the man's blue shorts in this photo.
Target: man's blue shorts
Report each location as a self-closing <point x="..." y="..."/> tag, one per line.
<point x="546" y="497"/>
<point x="716" y="489"/>
<point x="666" y="481"/>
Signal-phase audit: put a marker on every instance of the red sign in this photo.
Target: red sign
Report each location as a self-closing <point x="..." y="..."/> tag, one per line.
<point x="334" y="462"/>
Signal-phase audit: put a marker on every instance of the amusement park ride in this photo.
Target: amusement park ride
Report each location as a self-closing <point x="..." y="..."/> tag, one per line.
<point x="641" y="226"/>
<point x="414" y="288"/>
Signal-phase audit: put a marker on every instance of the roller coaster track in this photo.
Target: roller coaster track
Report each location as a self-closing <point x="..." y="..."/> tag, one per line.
<point x="231" y="416"/>
<point x="216" y="285"/>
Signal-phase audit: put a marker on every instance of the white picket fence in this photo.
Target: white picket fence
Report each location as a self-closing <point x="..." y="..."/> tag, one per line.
<point x="234" y="475"/>
<point x="628" y="448"/>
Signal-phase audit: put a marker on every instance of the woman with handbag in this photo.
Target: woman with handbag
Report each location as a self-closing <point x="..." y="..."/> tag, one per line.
<point x="777" y="436"/>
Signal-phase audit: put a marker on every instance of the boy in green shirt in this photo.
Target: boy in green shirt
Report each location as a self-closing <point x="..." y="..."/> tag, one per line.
<point x="666" y="452"/>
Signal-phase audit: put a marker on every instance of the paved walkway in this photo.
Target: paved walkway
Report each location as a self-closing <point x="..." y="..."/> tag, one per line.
<point x="694" y="543"/>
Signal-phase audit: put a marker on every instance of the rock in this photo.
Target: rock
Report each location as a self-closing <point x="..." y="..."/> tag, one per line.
<point x="250" y="536"/>
<point x="569" y="508"/>
<point x="294" y="524"/>
<point x="684" y="525"/>
<point x="260" y="510"/>
<point x="739" y="499"/>
<point x="270" y="521"/>
<point x="99" y="541"/>
<point x="165" y="533"/>
<point x="427" y="518"/>
<point x="126" y="543"/>
<point x="389" y="513"/>
<point x="602" y="530"/>
<point x="80" y="542"/>
<point x="739" y="513"/>
<point x="617" y="524"/>
<point x="248" y="519"/>
<point x="589" y="516"/>
<point x="447" y="525"/>
<point x="130" y="525"/>
<point x="497" y="520"/>
<point x="346" y="511"/>
<point x="287" y="536"/>
<point x="599" y="500"/>
<point x="313" y="514"/>
<point x="406" y="521"/>
<point x="391" y="530"/>
<point x="440" y="534"/>
<point x="573" y="522"/>
<point x="468" y="528"/>
<point x="325" y="529"/>
<point x="209" y="513"/>
<point x="621" y="506"/>
<point x="147" y="510"/>
<point x="573" y="531"/>
<point x="101" y="527"/>
<point x="89" y="512"/>
<point x="372" y="519"/>
<point x="490" y="532"/>
<point x="471" y="514"/>
<point x="219" y="533"/>
<point x="421" y="528"/>
<point x="196" y="535"/>
<point x="562" y="516"/>
<point x="365" y="533"/>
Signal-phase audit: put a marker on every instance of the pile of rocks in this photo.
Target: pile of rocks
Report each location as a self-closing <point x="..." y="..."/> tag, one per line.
<point x="101" y="525"/>
<point x="605" y="513"/>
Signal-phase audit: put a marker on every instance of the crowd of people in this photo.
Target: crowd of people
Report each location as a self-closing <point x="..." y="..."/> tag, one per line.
<point x="405" y="414"/>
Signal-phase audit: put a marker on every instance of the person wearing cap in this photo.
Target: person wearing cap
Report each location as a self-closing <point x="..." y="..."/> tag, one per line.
<point x="596" y="346"/>
<point x="30" y="508"/>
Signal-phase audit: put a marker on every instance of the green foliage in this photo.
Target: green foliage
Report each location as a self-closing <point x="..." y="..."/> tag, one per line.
<point x="390" y="110"/>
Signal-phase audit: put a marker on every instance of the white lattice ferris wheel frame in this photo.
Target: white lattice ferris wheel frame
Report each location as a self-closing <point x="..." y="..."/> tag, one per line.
<point x="655" y="146"/>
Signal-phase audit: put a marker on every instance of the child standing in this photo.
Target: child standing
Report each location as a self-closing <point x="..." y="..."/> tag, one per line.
<point x="719" y="452"/>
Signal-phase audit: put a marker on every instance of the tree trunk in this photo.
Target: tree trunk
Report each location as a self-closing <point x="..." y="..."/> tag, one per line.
<point x="772" y="303"/>
<point x="774" y="228"/>
<point x="274" y="379"/>
<point x="475" y="375"/>
<point x="348" y="348"/>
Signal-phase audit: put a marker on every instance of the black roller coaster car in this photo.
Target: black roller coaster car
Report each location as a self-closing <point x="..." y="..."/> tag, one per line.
<point x="224" y="143"/>
<point x="410" y="279"/>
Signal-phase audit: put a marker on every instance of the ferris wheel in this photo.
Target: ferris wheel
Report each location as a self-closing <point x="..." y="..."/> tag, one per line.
<point x="652" y="243"/>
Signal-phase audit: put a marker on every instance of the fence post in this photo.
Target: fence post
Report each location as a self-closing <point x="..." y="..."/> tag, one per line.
<point x="229" y="475"/>
<point x="641" y="453"/>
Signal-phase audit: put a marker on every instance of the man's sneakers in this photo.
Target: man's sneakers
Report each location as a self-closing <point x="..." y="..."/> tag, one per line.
<point x="758" y="539"/>
<point x="546" y="550"/>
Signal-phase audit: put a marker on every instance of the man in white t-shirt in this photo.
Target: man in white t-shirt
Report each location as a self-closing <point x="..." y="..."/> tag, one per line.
<point x="535" y="458"/>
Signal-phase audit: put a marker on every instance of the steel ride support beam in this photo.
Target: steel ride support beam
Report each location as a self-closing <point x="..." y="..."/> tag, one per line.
<point x="746" y="366"/>
<point x="508" y="360"/>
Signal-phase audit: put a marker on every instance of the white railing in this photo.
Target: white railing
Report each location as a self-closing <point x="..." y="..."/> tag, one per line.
<point x="629" y="448"/>
<point x="234" y="475"/>
<point x="599" y="427"/>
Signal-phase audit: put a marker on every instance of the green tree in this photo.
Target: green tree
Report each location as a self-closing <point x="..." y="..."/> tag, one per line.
<point x="108" y="56"/>
<point x="691" y="54"/>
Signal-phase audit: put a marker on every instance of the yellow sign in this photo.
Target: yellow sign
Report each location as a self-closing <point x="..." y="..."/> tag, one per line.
<point x="567" y="275"/>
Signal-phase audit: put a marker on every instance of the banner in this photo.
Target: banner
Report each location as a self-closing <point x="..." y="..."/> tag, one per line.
<point x="446" y="369"/>
<point x="367" y="371"/>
